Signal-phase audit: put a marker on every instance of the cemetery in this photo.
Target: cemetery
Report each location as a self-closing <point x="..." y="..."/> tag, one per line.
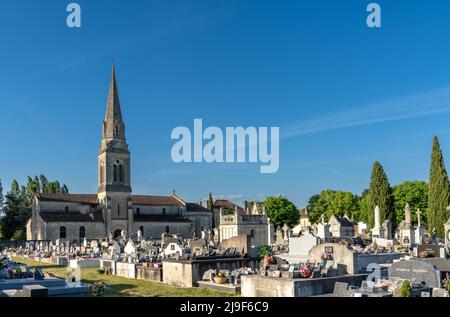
<point x="324" y="259"/>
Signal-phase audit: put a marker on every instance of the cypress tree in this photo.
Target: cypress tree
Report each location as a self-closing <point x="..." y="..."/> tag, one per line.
<point x="211" y="207"/>
<point x="380" y="194"/>
<point x="439" y="191"/>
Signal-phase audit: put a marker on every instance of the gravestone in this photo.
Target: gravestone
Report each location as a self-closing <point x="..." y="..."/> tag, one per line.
<point x="429" y="249"/>
<point x="418" y="272"/>
<point x="439" y="292"/>
<point x="340" y="289"/>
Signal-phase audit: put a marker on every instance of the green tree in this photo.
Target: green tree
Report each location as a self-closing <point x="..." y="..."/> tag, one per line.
<point x="416" y="194"/>
<point x="380" y="194"/>
<point x="363" y="211"/>
<point x="439" y="191"/>
<point x="16" y="211"/>
<point x="330" y="202"/>
<point x="281" y="211"/>
<point x="17" y="205"/>
<point x="405" y="289"/>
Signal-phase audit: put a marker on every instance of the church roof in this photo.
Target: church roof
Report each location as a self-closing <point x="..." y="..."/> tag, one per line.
<point x="160" y="218"/>
<point x="61" y="216"/>
<point x="71" y="198"/>
<point x="113" y="113"/>
<point x="143" y="200"/>
<point x="226" y="204"/>
<point x="195" y="207"/>
<point x="156" y="201"/>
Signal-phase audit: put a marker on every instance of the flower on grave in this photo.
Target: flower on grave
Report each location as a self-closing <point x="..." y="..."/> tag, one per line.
<point x="446" y="282"/>
<point x="305" y="271"/>
<point x="98" y="288"/>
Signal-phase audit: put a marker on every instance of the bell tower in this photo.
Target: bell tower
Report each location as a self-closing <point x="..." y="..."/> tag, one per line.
<point x="114" y="170"/>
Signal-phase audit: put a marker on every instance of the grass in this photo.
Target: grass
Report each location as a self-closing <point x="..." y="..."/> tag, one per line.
<point x="123" y="287"/>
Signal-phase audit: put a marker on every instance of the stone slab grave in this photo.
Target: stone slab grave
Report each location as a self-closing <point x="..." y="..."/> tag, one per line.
<point x="108" y="264"/>
<point x="127" y="270"/>
<point x="439" y="292"/>
<point x="20" y="283"/>
<point x="235" y="289"/>
<point x="340" y="289"/>
<point x="28" y="291"/>
<point x="149" y="273"/>
<point x="86" y="263"/>
<point x="418" y="272"/>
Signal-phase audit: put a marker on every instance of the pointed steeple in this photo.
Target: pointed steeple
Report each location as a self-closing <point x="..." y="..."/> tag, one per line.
<point x="113" y="126"/>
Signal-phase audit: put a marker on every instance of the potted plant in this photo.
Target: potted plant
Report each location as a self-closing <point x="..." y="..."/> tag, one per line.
<point x="220" y="278"/>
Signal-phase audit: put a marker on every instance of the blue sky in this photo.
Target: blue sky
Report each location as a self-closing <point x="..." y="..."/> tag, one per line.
<point x="342" y="94"/>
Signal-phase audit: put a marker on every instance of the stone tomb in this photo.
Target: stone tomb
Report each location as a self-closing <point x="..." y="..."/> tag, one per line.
<point x="127" y="270"/>
<point x="108" y="264"/>
<point x="417" y="271"/>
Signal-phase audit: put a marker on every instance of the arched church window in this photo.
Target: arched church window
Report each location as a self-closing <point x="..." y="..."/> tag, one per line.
<point x="66" y="209"/>
<point x="115" y="172"/>
<point x="164" y="211"/>
<point x="167" y="229"/>
<point x="121" y="173"/>
<point x="118" y="210"/>
<point x="82" y="232"/>
<point x="141" y="228"/>
<point x="62" y="232"/>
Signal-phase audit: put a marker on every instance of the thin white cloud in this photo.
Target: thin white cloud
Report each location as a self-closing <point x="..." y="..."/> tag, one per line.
<point x="414" y="106"/>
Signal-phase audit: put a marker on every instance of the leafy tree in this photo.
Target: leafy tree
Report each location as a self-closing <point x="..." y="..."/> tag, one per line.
<point x="380" y="194"/>
<point x="16" y="211"/>
<point x="281" y="211"/>
<point x="405" y="289"/>
<point x="331" y="202"/>
<point x="439" y="191"/>
<point x="416" y="194"/>
<point x="17" y="205"/>
<point x="363" y="212"/>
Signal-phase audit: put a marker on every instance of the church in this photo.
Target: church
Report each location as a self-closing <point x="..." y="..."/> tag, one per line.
<point x="113" y="211"/>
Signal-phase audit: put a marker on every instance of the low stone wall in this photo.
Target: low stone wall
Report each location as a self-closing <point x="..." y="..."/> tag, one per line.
<point x="87" y="263"/>
<point x="149" y="273"/>
<point x="187" y="273"/>
<point x="263" y="286"/>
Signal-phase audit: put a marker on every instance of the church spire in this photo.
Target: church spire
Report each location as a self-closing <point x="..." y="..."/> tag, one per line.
<point x="113" y="126"/>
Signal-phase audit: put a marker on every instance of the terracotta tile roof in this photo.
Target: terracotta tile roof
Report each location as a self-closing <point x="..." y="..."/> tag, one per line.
<point x="73" y="198"/>
<point x="160" y="218"/>
<point x="226" y="204"/>
<point x="156" y="201"/>
<point x="61" y="216"/>
<point x="195" y="207"/>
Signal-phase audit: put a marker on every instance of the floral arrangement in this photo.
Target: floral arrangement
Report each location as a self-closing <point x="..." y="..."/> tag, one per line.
<point x="98" y="288"/>
<point x="305" y="272"/>
<point x="446" y="282"/>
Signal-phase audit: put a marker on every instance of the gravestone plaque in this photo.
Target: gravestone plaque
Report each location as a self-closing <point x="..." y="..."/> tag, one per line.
<point x="430" y="249"/>
<point x="418" y="272"/>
